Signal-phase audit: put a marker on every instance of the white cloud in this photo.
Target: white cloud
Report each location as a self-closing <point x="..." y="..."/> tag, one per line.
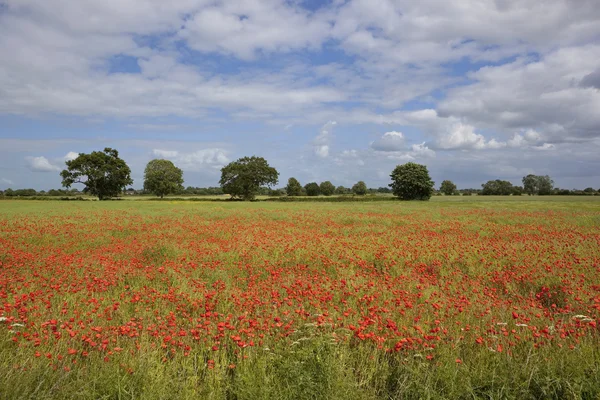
<point x="322" y="141"/>
<point x="7" y="181"/>
<point x="40" y="164"/>
<point x="165" y="153"/>
<point x="390" y="141"/>
<point x="199" y="160"/>
<point x="421" y="150"/>
<point x="70" y="156"/>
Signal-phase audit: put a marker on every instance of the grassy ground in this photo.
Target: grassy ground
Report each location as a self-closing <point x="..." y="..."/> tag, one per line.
<point x="459" y="297"/>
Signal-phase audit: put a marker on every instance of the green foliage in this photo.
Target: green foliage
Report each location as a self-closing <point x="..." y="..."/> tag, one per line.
<point x="293" y="188"/>
<point x="327" y="188"/>
<point x="342" y="190"/>
<point x="537" y="184"/>
<point x="103" y="173"/>
<point x="243" y="178"/>
<point x="162" y="177"/>
<point x="359" y="188"/>
<point x="448" y="188"/>
<point x="497" y="188"/>
<point x="312" y="189"/>
<point x="411" y="181"/>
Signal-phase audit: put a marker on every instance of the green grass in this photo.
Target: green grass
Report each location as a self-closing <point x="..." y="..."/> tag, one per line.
<point x="479" y="259"/>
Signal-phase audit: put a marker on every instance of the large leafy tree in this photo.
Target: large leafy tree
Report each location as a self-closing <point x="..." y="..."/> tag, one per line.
<point x="162" y="177"/>
<point x="243" y="178"/>
<point x="448" y="188"/>
<point x="312" y="189"/>
<point x="359" y="188"/>
<point x="537" y="184"/>
<point x="103" y="173"/>
<point x="293" y="188"/>
<point x="497" y="188"/>
<point x="411" y="181"/>
<point x="327" y="188"/>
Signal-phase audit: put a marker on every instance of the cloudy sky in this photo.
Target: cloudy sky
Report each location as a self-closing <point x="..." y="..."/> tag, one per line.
<point x="324" y="90"/>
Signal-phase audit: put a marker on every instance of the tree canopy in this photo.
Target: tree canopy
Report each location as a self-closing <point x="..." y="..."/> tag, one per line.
<point x="102" y="173"/>
<point x="359" y="188"/>
<point x="448" y="188"/>
<point x="537" y="184"/>
<point x="327" y="188"/>
<point x="293" y="188"/>
<point x="162" y="177"/>
<point x="411" y="181"/>
<point x="312" y="189"/>
<point x="244" y="177"/>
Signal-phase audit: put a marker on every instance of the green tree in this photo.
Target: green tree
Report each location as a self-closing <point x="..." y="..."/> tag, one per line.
<point x="244" y="177"/>
<point x="327" y="188"/>
<point x="162" y="177"/>
<point x="102" y="173"/>
<point x="312" y="189"/>
<point x="411" y="181"/>
<point x="293" y="188"/>
<point x="342" y="190"/>
<point x="359" y="188"/>
<point x="497" y="188"/>
<point x="448" y="188"/>
<point x="538" y="184"/>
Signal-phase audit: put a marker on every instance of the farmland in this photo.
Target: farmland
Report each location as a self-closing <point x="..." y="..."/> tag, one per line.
<point x="456" y="297"/>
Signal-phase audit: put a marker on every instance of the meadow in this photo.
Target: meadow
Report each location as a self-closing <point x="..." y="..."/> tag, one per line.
<point x="452" y="298"/>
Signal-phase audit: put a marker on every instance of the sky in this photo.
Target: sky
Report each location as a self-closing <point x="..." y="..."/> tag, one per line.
<point x="324" y="90"/>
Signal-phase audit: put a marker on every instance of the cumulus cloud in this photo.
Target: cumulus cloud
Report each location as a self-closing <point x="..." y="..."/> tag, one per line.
<point x="199" y="160"/>
<point x="165" y="153"/>
<point x="322" y="142"/>
<point x="70" y="156"/>
<point x="40" y="164"/>
<point x="390" y="141"/>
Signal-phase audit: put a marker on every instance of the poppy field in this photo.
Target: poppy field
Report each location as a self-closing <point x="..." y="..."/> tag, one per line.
<point x="175" y="299"/>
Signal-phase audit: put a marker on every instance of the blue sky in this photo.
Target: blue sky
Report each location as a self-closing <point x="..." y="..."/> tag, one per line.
<point x="324" y="90"/>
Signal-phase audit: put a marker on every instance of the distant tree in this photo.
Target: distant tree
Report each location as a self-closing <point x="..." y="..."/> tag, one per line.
<point x="342" y="190"/>
<point x="517" y="191"/>
<point x="103" y="173"/>
<point x="537" y="184"/>
<point x="497" y="188"/>
<point x="327" y="188"/>
<point x="589" y="190"/>
<point x="162" y="177"/>
<point x="545" y="185"/>
<point x="312" y="189"/>
<point x="448" y="188"/>
<point x="384" y="190"/>
<point x="293" y="188"/>
<point x="411" y="181"/>
<point x="244" y="177"/>
<point x="359" y="188"/>
<point x="9" y="192"/>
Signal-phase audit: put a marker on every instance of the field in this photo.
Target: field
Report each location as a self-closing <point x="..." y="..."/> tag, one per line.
<point x="452" y="298"/>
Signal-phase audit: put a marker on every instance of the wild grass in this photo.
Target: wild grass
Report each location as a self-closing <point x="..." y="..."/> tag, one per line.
<point x="453" y="298"/>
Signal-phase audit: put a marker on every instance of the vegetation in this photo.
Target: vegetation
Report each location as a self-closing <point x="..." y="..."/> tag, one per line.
<point x="102" y="173"/>
<point x="326" y="188"/>
<point x="459" y="298"/>
<point x="448" y="188"/>
<point x="359" y="188"/>
<point x="411" y="181"/>
<point x="243" y="178"/>
<point x="312" y="189"/>
<point x="293" y="188"/>
<point x="540" y="185"/>
<point x="162" y="177"/>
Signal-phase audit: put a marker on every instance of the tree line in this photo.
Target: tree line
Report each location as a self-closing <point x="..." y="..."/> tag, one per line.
<point x="104" y="174"/>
